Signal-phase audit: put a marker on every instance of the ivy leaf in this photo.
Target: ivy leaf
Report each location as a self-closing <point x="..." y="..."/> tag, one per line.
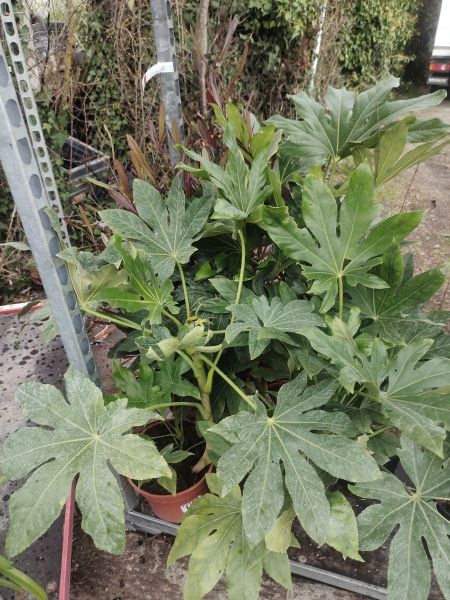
<point x="243" y="188"/>
<point x="387" y="308"/>
<point x="328" y="256"/>
<point x="419" y="520"/>
<point x="212" y="533"/>
<point x="264" y="321"/>
<point x="259" y="442"/>
<point x="165" y="229"/>
<point x="408" y="395"/>
<point x="348" y="121"/>
<point x="78" y="437"/>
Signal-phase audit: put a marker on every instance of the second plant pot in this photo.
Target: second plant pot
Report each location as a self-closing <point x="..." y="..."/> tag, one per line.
<point x="172" y="507"/>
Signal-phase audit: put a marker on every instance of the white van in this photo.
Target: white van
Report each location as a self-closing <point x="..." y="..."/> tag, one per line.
<point x="439" y="69"/>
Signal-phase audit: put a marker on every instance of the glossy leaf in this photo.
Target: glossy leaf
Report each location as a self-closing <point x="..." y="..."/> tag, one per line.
<point x="78" y="437"/>
<point x="144" y="292"/>
<point x="165" y="229"/>
<point x="388" y="309"/>
<point x="243" y="188"/>
<point x="335" y="245"/>
<point x="264" y="321"/>
<point x="416" y="514"/>
<point x="90" y="276"/>
<point x="391" y="158"/>
<point x="342" y="529"/>
<point x="348" y="121"/>
<point x="407" y="389"/>
<point x="260" y="442"/>
<point x="212" y="534"/>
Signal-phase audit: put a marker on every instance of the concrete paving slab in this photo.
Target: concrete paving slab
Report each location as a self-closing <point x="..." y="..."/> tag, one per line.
<point x="23" y="357"/>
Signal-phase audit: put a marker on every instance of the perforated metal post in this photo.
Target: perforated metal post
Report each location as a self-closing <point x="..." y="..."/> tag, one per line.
<point x="170" y="83"/>
<point x="27" y="100"/>
<point x="30" y="196"/>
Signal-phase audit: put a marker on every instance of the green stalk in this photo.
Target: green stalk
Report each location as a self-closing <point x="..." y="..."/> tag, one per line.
<point x="167" y="314"/>
<point x="199" y="373"/>
<point x="242" y="270"/>
<point x="378" y="431"/>
<point x="231" y="383"/>
<point x="185" y="292"/>
<point x="19" y="579"/>
<point x="341" y="296"/>
<point x="116" y="320"/>
<point x="196" y="405"/>
<point x="236" y="301"/>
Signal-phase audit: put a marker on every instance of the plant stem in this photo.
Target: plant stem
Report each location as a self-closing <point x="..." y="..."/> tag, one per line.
<point x="231" y="383"/>
<point x="116" y="320"/>
<point x="333" y="169"/>
<point x="341" y="296"/>
<point x="196" y="405"/>
<point x="21" y="580"/>
<point x="167" y="314"/>
<point x="185" y="292"/>
<point x="209" y="349"/>
<point x="236" y="301"/>
<point x="200" y="375"/>
<point x="377" y="431"/>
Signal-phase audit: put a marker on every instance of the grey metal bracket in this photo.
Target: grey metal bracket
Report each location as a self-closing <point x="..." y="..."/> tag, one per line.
<point x="170" y="82"/>
<point x="29" y="194"/>
<point x="29" y="108"/>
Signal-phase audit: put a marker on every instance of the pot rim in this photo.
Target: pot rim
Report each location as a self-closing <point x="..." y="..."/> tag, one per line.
<point x="178" y="495"/>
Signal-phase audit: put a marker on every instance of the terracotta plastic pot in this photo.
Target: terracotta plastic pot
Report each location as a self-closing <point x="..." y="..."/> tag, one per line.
<point x="172" y="507"/>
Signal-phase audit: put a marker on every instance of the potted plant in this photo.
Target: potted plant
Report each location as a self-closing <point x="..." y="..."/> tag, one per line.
<point x="278" y="314"/>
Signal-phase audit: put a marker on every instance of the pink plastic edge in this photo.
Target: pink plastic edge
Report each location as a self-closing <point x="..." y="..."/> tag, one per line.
<point x="12" y="309"/>
<point x="66" y="555"/>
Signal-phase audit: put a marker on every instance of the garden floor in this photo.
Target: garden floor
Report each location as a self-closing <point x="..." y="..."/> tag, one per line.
<point x="140" y="573"/>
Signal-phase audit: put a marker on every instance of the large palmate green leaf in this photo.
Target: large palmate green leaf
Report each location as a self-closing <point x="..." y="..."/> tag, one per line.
<point x="144" y="292"/>
<point x="388" y="309"/>
<point x="212" y="533"/>
<point x="264" y="321"/>
<point x="259" y="442"/>
<point x="243" y="189"/>
<point x="407" y="389"/>
<point x="78" y="437"/>
<point x="348" y="121"/>
<point x="389" y="158"/>
<point x="415" y="511"/>
<point x="335" y="244"/>
<point x="165" y="229"/>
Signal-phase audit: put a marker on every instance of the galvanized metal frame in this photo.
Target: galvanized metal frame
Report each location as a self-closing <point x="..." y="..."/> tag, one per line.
<point x="34" y="190"/>
<point x="31" y="198"/>
<point x="170" y="82"/>
<point x="29" y="108"/>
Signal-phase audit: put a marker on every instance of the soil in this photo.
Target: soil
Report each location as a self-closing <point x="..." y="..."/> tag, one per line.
<point x="185" y="477"/>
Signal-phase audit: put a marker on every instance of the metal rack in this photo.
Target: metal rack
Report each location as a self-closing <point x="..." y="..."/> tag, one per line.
<point x="27" y="166"/>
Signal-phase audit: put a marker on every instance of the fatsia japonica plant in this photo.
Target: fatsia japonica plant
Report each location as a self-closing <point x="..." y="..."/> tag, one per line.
<point x="279" y="311"/>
